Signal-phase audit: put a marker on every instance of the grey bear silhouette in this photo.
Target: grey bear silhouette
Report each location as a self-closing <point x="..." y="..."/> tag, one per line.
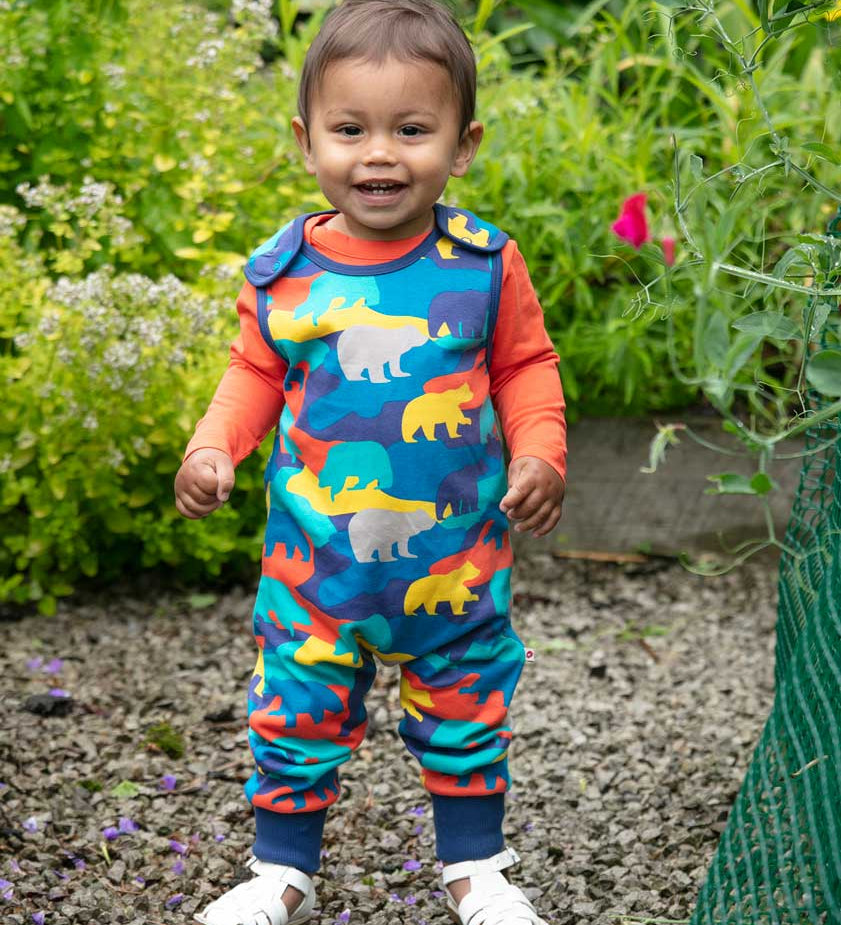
<point x="376" y="531"/>
<point x="366" y="346"/>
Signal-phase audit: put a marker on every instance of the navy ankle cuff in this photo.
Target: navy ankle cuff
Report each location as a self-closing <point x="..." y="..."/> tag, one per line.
<point x="293" y="839"/>
<point x="468" y="828"/>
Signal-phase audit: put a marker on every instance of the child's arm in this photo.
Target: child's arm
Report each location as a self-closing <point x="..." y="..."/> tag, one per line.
<point x="527" y="393"/>
<point x="245" y="407"/>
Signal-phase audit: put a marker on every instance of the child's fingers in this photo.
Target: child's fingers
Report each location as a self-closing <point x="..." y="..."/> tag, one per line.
<point x="546" y="521"/>
<point x="193" y="509"/>
<point x="225" y="477"/>
<point x="536" y="518"/>
<point x="512" y="498"/>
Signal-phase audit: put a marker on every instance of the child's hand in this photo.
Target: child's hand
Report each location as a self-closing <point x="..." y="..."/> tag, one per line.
<point x="203" y="483"/>
<point x="535" y="495"/>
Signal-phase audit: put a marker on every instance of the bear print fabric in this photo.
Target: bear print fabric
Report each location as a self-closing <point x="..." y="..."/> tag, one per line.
<point x="384" y="539"/>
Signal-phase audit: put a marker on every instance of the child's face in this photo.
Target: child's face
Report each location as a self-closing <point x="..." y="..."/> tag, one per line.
<point x="382" y="140"/>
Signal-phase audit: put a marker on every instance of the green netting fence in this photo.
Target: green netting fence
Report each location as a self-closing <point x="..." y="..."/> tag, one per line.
<point x="779" y="858"/>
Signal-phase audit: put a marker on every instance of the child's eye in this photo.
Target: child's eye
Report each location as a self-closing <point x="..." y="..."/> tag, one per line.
<point x="349" y="131"/>
<point x="411" y="131"/>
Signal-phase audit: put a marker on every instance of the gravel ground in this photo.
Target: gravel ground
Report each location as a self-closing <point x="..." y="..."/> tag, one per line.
<point x="633" y="727"/>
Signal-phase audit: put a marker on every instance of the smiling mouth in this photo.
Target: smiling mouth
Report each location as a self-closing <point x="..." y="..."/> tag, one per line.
<point x="380" y="187"/>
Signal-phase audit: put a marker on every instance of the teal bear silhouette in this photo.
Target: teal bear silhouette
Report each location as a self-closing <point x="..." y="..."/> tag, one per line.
<point x="364" y="460"/>
<point x="324" y="290"/>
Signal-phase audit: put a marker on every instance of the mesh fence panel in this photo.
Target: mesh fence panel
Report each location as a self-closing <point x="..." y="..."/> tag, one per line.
<point x="779" y="859"/>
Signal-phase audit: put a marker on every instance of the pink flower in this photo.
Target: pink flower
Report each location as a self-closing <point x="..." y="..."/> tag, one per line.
<point x="669" y="251"/>
<point x="631" y="225"/>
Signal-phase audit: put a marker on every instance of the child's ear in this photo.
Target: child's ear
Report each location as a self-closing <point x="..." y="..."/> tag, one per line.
<point x="468" y="145"/>
<point x="302" y="136"/>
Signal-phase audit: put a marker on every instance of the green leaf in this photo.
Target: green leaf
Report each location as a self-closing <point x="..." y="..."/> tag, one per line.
<point x="761" y="483"/>
<point x="820" y="315"/>
<point x="201" y="601"/>
<point x="716" y="341"/>
<point x="125" y="790"/>
<point x="696" y="166"/>
<point x="768" y="324"/>
<point x="824" y="372"/>
<point x="730" y="483"/>
<point x="824" y="151"/>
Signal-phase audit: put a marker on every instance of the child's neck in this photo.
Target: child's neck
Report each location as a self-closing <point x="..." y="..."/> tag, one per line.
<point x="338" y="223"/>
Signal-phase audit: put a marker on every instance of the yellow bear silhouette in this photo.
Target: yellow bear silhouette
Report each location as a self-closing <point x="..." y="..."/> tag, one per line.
<point x="428" y="591"/>
<point x="424" y="412"/>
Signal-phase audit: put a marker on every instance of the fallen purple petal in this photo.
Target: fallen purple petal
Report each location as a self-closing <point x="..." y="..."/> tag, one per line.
<point x="38" y="918"/>
<point x="395" y="897"/>
<point x="410" y="900"/>
<point x="35" y="663"/>
<point x="412" y="865"/>
<point x="110" y="833"/>
<point x="344" y="916"/>
<point x="31" y="824"/>
<point x="79" y="864"/>
<point x="59" y="692"/>
<point x="61" y="875"/>
<point x="16" y="868"/>
<point x="9" y="894"/>
<point x="528" y="827"/>
<point x="417" y="830"/>
<point x="219" y="837"/>
<point x="54" y="666"/>
<point x="177" y="846"/>
<point x="417" y="811"/>
<point x="195" y="838"/>
<point x="4" y="884"/>
<point x="168" y="782"/>
<point x="437" y="894"/>
<point x="178" y="866"/>
<point x="141" y="881"/>
<point x="174" y="901"/>
<point x="127" y="825"/>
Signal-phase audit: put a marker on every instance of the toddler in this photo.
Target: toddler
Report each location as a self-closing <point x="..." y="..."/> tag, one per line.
<point x="379" y="338"/>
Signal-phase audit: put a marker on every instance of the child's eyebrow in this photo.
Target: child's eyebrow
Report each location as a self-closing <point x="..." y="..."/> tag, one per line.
<point x="359" y="114"/>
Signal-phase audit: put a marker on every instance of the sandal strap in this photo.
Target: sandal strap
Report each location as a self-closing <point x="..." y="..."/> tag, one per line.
<point x="506" y="858"/>
<point x="290" y="876"/>
<point x="490" y="903"/>
<point x="259" y="901"/>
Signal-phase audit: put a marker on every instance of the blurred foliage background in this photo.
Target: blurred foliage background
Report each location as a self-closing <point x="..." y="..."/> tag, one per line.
<point x="145" y="149"/>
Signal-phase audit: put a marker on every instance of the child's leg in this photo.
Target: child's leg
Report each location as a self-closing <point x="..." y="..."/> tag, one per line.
<point x="456" y="724"/>
<point x="456" y="702"/>
<point x="306" y="715"/>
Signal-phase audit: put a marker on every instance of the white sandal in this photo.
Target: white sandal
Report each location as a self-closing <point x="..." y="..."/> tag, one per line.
<point x="492" y="900"/>
<point x="259" y="901"/>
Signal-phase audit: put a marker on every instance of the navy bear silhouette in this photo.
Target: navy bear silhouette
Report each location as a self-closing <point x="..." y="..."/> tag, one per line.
<point x="460" y="490"/>
<point x="283" y="530"/>
<point x="464" y="313"/>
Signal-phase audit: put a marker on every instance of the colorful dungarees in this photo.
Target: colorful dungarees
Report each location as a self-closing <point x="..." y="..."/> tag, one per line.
<point x="384" y="536"/>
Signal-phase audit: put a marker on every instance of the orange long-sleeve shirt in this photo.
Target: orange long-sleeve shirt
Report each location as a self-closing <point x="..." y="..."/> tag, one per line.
<point x="524" y="382"/>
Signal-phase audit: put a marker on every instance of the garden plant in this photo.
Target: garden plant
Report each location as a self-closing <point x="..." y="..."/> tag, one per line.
<point x="144" y="146"/>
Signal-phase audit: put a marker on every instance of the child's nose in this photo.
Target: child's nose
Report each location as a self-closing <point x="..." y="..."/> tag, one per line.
<point x="379" y="151"/>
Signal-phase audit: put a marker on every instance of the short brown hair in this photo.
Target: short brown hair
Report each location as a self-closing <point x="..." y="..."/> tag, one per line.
<point x="373" y="30"/>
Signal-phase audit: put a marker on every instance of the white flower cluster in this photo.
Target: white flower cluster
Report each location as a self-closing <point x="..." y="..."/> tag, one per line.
<point x="207" y="53"/>
<point x="116" y="330"/>
<point x="11" y="221"/>
<point x="96" y="204"/>
<point x="40" y="196"/>
<point x="256" y="12"/>
<point x="92" y="198"/>
<point x="116" y="73"/>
